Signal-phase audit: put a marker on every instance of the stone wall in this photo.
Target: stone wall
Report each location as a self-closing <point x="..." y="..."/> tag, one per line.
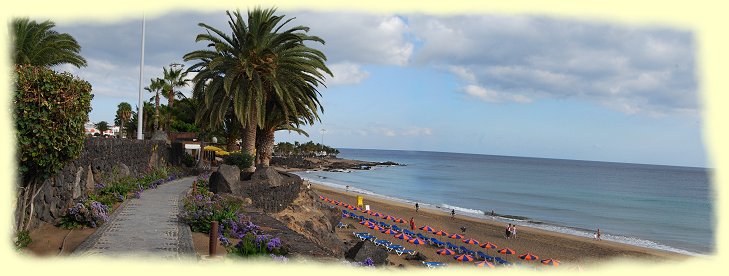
<point x="100" y="158"/>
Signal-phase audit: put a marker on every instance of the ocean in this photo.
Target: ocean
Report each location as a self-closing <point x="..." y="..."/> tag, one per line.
<point x="662" y="207"/>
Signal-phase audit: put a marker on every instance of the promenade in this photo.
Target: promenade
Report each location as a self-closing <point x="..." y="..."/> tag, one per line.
<point x="147" y="226"/>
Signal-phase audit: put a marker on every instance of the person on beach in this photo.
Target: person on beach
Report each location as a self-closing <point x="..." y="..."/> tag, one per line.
<point x="463" y="229"/>
<point x="416" y="207"/>
<point x="597" y="235"/>
<point x="412" y="224"/>
<point x="513" y="231"/>
<point x="453" y="213"/>
<point x="347" y="188"/>
<point x="507" y="233"/>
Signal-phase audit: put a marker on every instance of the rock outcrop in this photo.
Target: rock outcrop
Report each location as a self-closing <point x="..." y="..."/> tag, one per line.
<point x="283" y="197"/>
<point x="363" y="250"/>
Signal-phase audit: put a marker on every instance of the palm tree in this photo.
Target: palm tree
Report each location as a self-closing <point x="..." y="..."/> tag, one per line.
<point x="256" y="64"/>
<point x="155" y="87"/>
<point x="102" y="126"/>
<point x="38" y="45"/>
<point x="124" y="113"/>
<point x="174" y="78"/>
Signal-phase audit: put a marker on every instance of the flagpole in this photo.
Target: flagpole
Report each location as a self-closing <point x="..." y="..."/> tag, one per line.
<point x="140" y="107"/>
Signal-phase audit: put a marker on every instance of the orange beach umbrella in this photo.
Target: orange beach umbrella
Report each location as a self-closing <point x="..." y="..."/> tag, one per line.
<point x="445" y="251"/>
<point x="484" y="263"/>
<point x="529" y="257"/>
<point x="463" y="258"/>
<point x="390" y="232"/>
<point x="489" y="245"/>
<point x="416" y="241"/>
<point x="470" y="241"/>
<point x="441" y="233"/>
<point x="426" y="228"/>
<point x="388" y="217"/>
<point x="400" y="220"/>
<point x="551" y="262"/>
<point x="455" y="236"/>
<point x="507" y="251"/>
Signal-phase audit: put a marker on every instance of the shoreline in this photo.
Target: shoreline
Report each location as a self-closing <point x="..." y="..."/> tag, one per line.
<point x="549" y="244"/>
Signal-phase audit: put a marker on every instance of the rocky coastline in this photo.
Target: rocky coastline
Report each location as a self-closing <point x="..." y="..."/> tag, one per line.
<point x="331" y="164"/>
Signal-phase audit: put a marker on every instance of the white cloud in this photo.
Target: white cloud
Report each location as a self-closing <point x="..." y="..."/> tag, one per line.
<point x="346" y="73"/>
<point x="493" y="96"/>
<point x="526" y="58"/>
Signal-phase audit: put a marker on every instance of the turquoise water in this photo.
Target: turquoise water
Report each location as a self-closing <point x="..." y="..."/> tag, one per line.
<point x="661" y="207"/>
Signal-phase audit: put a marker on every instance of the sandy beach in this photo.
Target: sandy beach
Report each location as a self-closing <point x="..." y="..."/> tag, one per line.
<point x="571" y="251"/>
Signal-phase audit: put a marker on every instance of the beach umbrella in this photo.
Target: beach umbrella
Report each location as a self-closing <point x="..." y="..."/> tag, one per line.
<point x="426" y="228"/>
<point x="506" y="251"/>
<point x="463" y="258"/>
<point x="445" y="251"/>
<point x="376" y="214"/>
<point x="400" y="220"/>
<point x="390" y="232"/>
<point x="529" y="257"/>
<point x="363" y="222"/>
<point x="402" y="236"/>
<point x="388" y="217"/>
<point x="377" y="228"/>
<point x="441" y="233"/>
<point x="550" y="262"/>
<point x="470" y="241"/>
<point x="416" y="241"/>
<point x="366" y="211"/>
<point x="321" y="197"/>
<point x="489" y="245"/>
<point x="484" y="263"/>
<point x="455" y="236"/>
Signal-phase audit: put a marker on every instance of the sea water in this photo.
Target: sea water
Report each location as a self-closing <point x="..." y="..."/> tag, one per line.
<point x="662" y="207"/>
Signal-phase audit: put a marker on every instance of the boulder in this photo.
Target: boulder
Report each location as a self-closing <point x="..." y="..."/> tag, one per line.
<point x="225" y="180"/>
<point x="120" y="169"/>
<point x="363" y="250"/>
<point x="267" y="176"/>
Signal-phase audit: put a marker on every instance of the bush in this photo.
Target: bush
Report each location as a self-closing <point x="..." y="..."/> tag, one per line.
<point x="22" y="240"/>
<point x="201" y="209"/>
<point x="188" y="160"/>
<point x="242" y="160"/>
<point x="89" y="213"/>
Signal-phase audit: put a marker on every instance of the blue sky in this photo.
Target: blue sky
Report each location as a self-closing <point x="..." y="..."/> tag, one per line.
<point x="491" y="84"/>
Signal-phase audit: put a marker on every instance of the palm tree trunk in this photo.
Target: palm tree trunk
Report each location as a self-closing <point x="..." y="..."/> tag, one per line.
<point x="156" y="112"/>
<point x="249" y="136"/>
<point x="266" y="147"/>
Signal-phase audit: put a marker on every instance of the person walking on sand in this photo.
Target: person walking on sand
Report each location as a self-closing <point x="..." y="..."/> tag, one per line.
<point x="507" y="233"/>
<point x="412" y="224"/>
<point x="453" y="213"/>
<point x="416" y="207"/>
<point x="597" y="236"/>
<point x="513" y="230"/>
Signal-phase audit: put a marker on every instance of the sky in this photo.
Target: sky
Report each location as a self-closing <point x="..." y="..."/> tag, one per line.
<point x="516" y="85"/>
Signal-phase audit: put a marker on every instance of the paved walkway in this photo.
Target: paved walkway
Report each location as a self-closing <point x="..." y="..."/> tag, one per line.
<point x="147" y="226"/>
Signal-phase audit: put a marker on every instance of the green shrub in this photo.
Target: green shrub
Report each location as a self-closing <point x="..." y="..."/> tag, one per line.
<point x="22" y="240"/>
<point x="188" y="160"/>
<point x="240" y="159"/>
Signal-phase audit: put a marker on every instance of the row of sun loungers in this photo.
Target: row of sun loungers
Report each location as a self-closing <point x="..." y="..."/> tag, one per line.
<point x="399" y="249"/>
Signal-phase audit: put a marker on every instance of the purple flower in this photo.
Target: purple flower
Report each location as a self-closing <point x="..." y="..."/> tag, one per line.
<point x="99" y="186"/>
<point x="138" y="193"/>
<point x="368" y="262"/>
<point x="279" y="258"/>
<point x="260" y="239"/>
<point x="273" y="244"/>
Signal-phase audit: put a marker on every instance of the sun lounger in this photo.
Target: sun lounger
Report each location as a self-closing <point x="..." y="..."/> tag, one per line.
<point x="406" y="231"/>
<point x="401" y="251"/>
<point x="466" y="250"/>
<point x="501" y="261"/>
<point x="342" y="225"/>
<point x="485" y="256"/>
<point x="363" y="236"/>
<point x="384" y="225"/>
<point x="433" y="264"/>
<point x="382" y="242"/>
<point x="452" y="246"/>
<point x="394" y="247"/>
<point x="394" y="227"/>
<point x="437" y="242"/>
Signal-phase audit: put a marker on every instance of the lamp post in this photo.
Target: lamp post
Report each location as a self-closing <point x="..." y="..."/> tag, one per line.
<point x="140" y="107"/>
<point x="322" y="138"/>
